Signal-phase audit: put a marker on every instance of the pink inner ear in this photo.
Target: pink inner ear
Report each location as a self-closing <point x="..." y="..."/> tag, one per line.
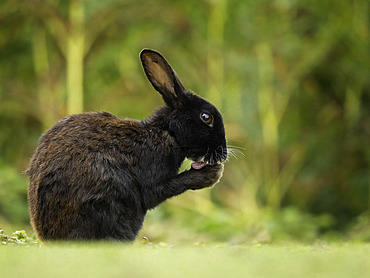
<point x="198" y="165"/>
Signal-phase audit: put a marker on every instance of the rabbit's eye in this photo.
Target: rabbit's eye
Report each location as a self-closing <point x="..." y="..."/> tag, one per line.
<point x="206" y="118"/>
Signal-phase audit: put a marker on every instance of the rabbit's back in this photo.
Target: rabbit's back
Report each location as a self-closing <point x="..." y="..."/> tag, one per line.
<point x="81" y="179"/>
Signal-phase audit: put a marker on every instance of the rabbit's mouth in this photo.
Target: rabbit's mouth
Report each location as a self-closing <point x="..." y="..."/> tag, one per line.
<point x="198" y="162"/>
<point x="198" y="165"/>
<point x="216" y="156"/>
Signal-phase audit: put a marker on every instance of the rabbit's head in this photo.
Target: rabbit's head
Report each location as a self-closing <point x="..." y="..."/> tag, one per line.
<point x="196" y="124"/>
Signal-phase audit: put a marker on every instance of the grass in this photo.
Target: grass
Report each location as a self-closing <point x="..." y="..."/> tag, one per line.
<point x="160" y="260"/>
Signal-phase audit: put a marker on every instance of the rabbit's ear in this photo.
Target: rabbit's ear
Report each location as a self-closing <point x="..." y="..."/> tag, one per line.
<point x="162" y="77"/>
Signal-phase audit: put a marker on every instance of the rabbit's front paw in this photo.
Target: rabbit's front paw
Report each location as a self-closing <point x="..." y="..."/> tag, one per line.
<point x="206" y="177"/>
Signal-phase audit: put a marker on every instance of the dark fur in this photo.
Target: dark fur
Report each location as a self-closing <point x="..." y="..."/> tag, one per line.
<point x="94" y="176"/>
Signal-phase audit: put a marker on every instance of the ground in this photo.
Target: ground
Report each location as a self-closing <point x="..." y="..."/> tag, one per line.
<point x="163" y="260"/>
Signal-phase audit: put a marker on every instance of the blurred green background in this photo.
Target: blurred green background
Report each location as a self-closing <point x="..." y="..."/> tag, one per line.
<point x="291" y="78"/>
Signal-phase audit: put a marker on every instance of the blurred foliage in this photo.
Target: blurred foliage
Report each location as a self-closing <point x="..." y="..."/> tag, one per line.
<point x="13" y="196"/>
<point x="290" y="77"/>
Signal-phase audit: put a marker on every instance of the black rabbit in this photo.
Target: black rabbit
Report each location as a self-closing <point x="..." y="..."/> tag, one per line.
<point x="94" y="175"/>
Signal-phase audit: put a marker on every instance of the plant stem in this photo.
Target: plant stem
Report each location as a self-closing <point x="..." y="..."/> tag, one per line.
<point x="75" y="57"/>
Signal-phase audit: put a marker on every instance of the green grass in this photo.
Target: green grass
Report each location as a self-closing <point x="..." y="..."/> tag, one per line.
<point x="121" y="260"/>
